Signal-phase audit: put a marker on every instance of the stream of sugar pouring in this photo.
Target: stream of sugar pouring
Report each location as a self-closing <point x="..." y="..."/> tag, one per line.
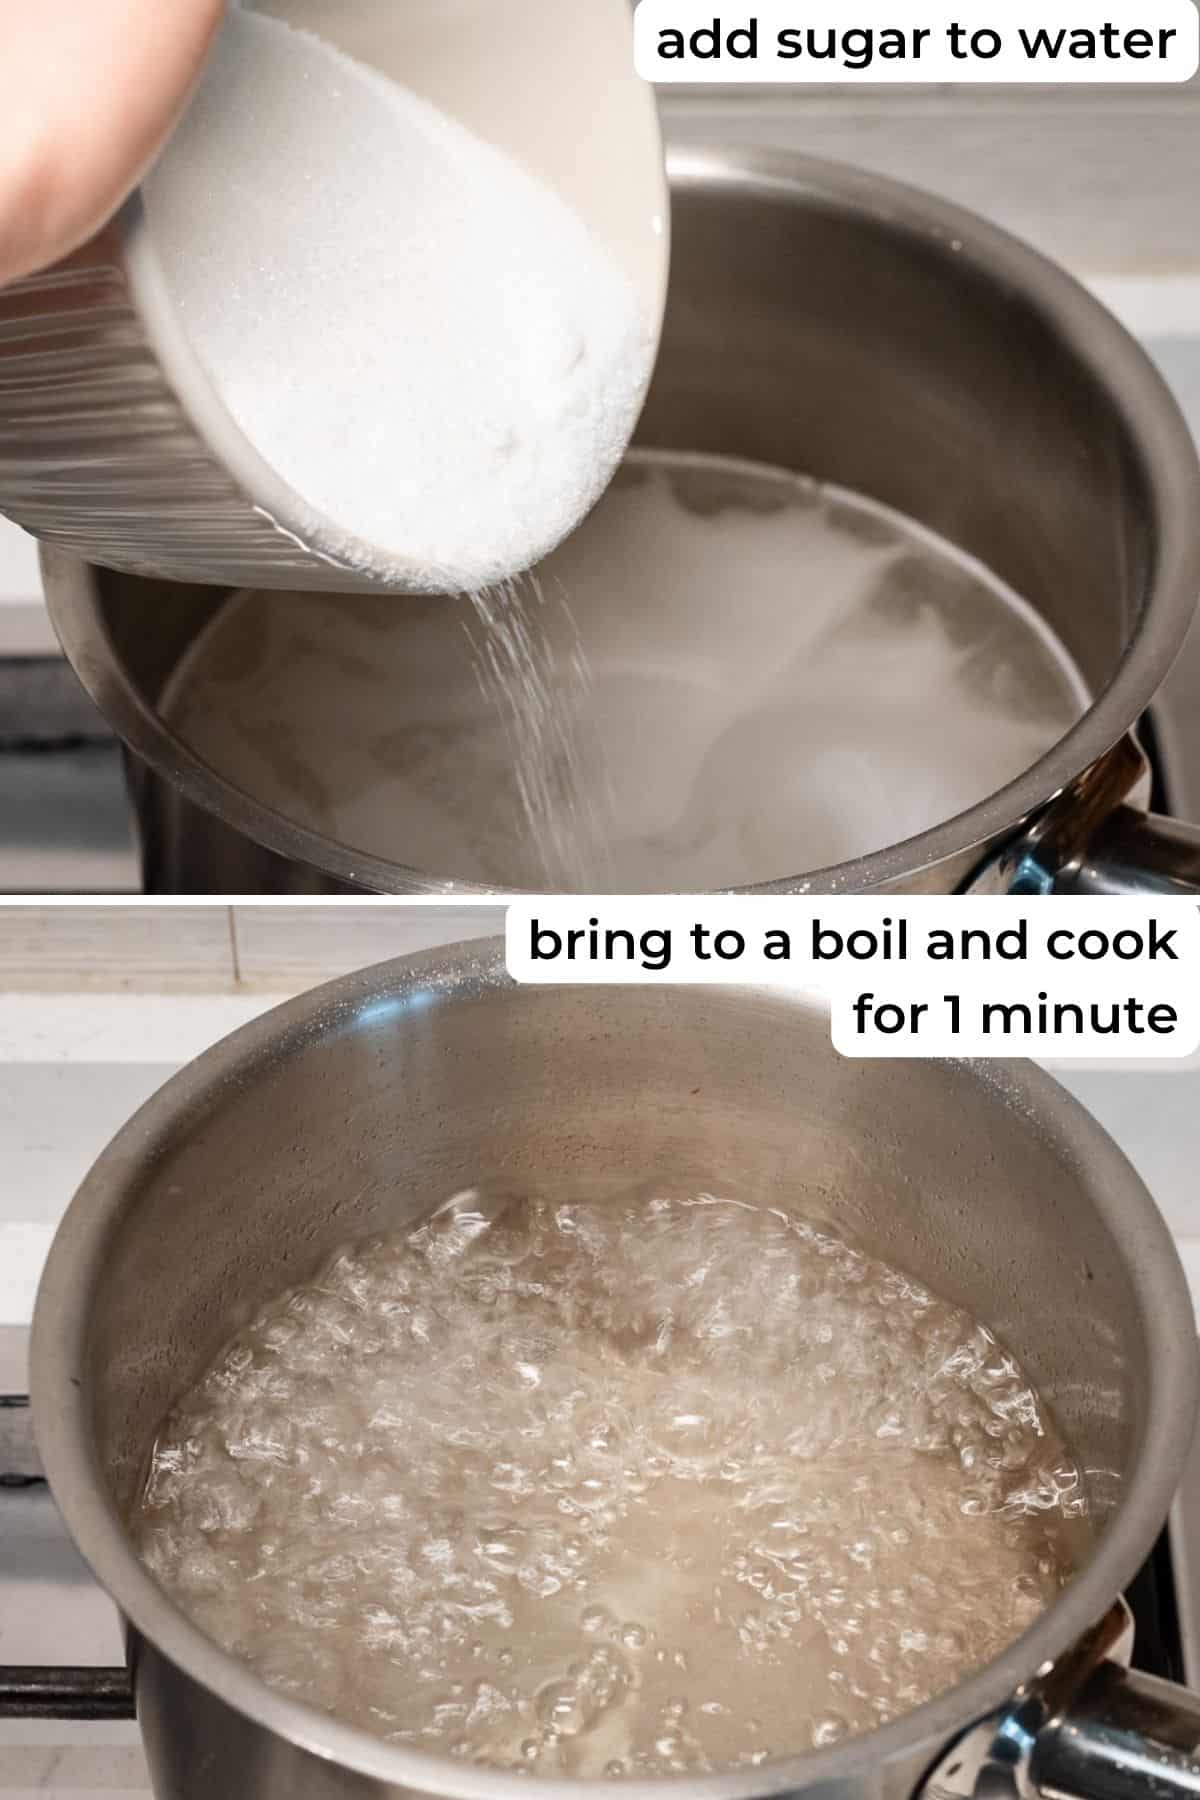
<point x="542" y="695"/>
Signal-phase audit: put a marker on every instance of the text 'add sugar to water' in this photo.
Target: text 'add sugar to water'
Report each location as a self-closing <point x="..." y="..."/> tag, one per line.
<point x="878" y="41"/>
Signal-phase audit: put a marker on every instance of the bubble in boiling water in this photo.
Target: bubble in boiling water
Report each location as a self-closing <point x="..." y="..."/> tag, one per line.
<point x="698" y="1451"/>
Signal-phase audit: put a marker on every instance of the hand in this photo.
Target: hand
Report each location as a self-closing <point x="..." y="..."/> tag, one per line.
<point x="89" y="91"/>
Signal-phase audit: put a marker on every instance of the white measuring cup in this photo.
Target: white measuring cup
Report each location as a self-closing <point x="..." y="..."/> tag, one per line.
<point x="115" y="440"/>
<point x="551" y="85"/>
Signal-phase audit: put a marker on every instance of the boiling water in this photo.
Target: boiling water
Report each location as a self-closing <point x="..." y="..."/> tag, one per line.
<point x="630" y="1486"/>
<point x="780" y="677"/>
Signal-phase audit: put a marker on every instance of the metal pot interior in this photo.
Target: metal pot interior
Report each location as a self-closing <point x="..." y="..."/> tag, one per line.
<point x="832" y="324"/>
<point x="358" y="1107"/>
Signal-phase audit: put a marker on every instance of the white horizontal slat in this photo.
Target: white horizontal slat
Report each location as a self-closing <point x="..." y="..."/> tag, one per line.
<point x="115" y="947"/>
<point x="160" y="947"/>
<point x="294" y="947"/>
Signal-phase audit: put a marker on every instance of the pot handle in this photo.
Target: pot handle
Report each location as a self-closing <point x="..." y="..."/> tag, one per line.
<point x="1090" y="840"/>
<point x="1085" y="1728"/>
<point x="1136" y="854"/>
<point x="1128" y="1736"/>
<point x="74" y="1693"/>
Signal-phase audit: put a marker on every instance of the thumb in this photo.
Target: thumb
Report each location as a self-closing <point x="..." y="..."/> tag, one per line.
<point x="89" y="92"/>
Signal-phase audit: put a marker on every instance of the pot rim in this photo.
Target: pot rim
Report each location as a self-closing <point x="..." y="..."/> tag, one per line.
<point x="1114" y="358"/>
<point x="64" y="1437"/>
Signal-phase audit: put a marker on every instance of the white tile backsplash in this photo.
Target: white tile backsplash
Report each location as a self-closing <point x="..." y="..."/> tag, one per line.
<point x="156" y="949"/>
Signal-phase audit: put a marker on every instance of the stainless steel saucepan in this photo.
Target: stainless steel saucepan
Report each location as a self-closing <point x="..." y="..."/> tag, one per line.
<point x="822" y="320"/>
<point x="356" y="1106"/>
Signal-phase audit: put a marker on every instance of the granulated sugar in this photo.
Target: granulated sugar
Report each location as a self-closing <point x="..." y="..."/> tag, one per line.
<point x="779" y="677"/>
<point x="632" y="1486"/>
<point x="536" y="680"/>
<point x="426" y="343"/>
